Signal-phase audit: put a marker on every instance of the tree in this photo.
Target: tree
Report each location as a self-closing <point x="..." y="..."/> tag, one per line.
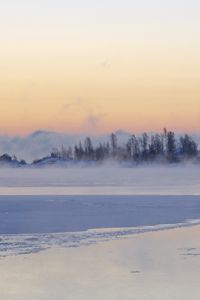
<point x="156" y="149"/>
<point x="78" y="152"/>
<point x="171" y="147"/>
<point x="133" y="148"/>
<point x="144" y="145"/>
<point x="113" y="140"/>
<point x="89" y="152"/>
<point x="188" y="148"/>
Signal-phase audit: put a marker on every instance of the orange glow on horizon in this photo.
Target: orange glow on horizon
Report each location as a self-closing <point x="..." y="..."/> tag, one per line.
<point x="73" y="74"/>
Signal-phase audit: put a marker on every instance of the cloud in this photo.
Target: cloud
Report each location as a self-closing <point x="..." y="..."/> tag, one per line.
<point x="76" y="102"/>
<point x="93" y="121"/>
<point x="106" y="64"/>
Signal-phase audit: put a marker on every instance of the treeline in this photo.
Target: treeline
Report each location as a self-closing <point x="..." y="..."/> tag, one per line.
<point x="7" y="160"/>
<point x="159" y="148"/>
<point x="164" y="147"/>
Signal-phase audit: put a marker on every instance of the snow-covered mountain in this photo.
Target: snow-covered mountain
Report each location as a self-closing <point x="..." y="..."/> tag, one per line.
<point x="41" y="143"/>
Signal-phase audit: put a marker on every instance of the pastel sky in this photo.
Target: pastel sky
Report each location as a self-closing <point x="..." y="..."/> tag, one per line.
<point x="99" y="65"/>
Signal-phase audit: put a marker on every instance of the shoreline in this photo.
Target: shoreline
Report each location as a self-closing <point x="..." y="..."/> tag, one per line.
<point x="21" y="244"/>
<point x="154" y="265"/>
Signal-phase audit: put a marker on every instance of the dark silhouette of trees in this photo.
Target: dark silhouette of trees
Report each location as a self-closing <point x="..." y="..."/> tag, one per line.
<point x="171" y="147"/>
<point x="144" y="146"/>
<point x="113" y="141"/>
<point x="188" y="148"/>
<point x="159" y="148"/>
<point x="133" y="149"/>
<point x="78" y="152"/>
<point x="88" y="149"/>
<point x="156" y="148"/>
<point x="7" y="160"/>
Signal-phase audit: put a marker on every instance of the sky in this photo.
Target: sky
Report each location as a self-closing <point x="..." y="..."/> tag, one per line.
<point x="95" y="66"/>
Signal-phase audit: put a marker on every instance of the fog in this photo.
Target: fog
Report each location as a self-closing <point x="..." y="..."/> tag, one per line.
<point x="169" y="180"/>
<point x="41" y="143"/>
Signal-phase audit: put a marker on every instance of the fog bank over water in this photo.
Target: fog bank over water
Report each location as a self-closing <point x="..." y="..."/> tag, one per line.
<point x="174" y="180"/>
<point x="41" y="143"/>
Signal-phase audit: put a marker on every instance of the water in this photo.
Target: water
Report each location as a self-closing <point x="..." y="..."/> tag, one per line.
<point x="51" y="214"/>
